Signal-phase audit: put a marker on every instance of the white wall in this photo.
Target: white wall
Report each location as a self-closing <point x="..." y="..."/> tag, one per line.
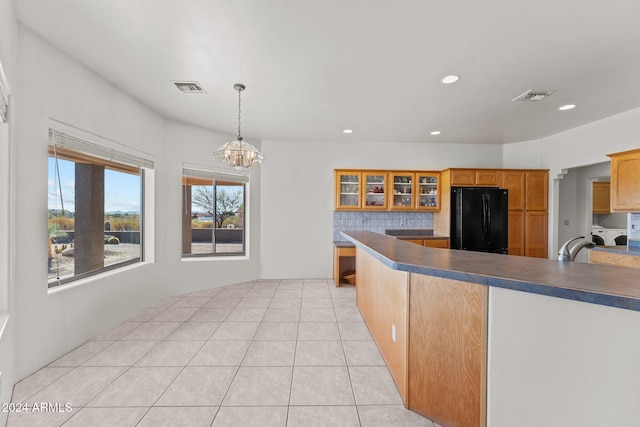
<point x="586" y="145"/>
<point x="567" y="211"/>
<point x="575" y="203"/>
<point x="556" y="362"/>
<point x="297" y="195"/>
<point x="8" y="35"/>
<point x="49" y="324"/>
<point x="52" y="85"/>
<point x="195" y="146"/>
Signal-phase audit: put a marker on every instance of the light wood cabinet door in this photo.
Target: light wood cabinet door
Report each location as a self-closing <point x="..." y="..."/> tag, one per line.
<point x="348" y="190"/>
<point x="481" y="177"/>
<point x="514" y="182"/>
<point x="417" y="242"/>
<point x="601" y="198"/>
<point x="488" y="178"/>
<point x="402" y="187"/>
<point x="374" y="190"/>
<point x="428" y="191"/>
<point x="625" y="181"/>
<point x="516" y="233"/>
<point x="536" y="190"/>
<point x="463" y="177"/>
<point x="436" y="243"/>
<point x="535" y="225"/>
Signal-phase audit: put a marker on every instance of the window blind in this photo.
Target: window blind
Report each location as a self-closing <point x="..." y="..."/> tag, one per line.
<point x="214" y="175"/>
<point x="70" y="142"/>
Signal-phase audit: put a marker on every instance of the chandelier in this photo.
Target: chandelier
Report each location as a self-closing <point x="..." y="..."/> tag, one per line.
<point x="238" y="153"/>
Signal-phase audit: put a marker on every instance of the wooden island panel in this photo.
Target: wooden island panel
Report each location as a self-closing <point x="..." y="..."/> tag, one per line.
<point x="602" y="257"/>
<point x="448" y="350"/>
<point x="382" y="297"/>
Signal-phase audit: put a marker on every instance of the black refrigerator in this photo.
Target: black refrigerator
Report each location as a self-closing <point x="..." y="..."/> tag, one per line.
<point x="479" y="219"/>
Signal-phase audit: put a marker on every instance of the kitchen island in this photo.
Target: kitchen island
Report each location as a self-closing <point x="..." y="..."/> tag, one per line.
<point x="344" y="252"/>
<point x="475" y="339"/>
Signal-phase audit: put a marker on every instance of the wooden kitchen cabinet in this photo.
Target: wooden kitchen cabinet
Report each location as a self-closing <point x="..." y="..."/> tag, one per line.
<point x="535" y="218"/>
<point x="488" y="178"/>
<point x="480" y="177"/>
<point x="625" y="181"/>
<point x="348" y="190"/>
<point x="528" y="202"/>
<point x="436" y="243"/>
<point x="427" y="191"/>
<point x="387" y="190"/>
<point x="374" y="190"/>
<point x="516" y="233"/>
<point x="430" y="243"/>
<point x="463" y="177"/>
<point x="601" y="198"/>
<point x="537" y="190"/>
<point x="414" y="241"/>
<point x="535" y="231"/>
<point x="402" y="191"/>
<point x="514" y="181"/>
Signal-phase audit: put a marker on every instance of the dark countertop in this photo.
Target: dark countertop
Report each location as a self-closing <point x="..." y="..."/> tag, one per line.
<point x="401" y="234"/>
<point x="601" y="284"/>
<point x="343" y="244"/>
<point x="415" y="234"/>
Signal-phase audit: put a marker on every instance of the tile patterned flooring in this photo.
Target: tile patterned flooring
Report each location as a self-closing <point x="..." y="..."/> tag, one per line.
<point x="264" y="353"/>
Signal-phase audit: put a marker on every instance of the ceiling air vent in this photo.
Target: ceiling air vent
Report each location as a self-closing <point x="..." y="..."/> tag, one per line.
<point x="189" y="87"/>
<point x="532" y="95"/>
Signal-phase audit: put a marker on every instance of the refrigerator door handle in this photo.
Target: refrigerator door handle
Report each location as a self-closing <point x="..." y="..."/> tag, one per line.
<point x="484" y="217"/>
<point x="488" y="215"/>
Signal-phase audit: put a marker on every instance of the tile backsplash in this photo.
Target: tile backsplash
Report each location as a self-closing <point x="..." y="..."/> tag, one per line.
<point x="378" y="221"/>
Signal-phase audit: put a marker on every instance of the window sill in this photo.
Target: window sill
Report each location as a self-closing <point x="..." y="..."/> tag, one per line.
<point x="216" y="258"/>
<point x="95" y="277"/>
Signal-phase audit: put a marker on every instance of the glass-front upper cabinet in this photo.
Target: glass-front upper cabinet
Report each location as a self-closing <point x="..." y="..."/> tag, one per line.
<point x="402" y="197"/>
<point x="375" y="190"/>
<point x="428" y="186"/>
<point x="348" y="190"/>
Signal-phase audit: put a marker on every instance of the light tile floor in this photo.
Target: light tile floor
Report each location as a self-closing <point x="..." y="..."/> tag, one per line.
<point x="263" y="353"/>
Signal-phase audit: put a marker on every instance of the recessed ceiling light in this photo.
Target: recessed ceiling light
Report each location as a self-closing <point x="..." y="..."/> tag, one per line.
<point x="567" y="107"/>
<point x="450" y="79"/>
<point x="435" y="132"/>
<point x="347" y="131"/>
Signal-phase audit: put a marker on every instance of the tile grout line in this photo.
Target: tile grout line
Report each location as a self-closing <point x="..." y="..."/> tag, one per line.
<point x="247" y="294"/>
<point x="237" y="370"/>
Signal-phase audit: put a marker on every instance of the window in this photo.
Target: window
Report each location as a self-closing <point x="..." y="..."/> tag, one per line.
<point x="95" y="208"/>
<point x="213" y="213"/>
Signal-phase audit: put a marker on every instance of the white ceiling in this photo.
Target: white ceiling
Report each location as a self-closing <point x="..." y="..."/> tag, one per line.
<point x="314" y="68"/>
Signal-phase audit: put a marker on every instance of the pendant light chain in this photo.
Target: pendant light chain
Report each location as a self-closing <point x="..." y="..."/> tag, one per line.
<point x="239" y="110"/>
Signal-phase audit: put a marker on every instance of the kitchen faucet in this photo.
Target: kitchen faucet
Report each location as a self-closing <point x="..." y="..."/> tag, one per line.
<point x="569" y="254"/>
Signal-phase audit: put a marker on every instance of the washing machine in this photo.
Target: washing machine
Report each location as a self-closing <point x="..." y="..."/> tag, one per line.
<point x="610" y="236"/>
